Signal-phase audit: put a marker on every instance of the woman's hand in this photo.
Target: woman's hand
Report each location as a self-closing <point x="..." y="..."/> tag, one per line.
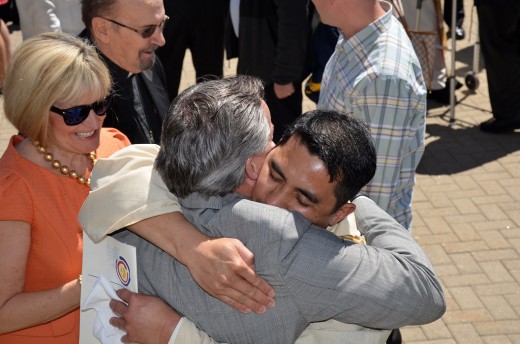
<point x="224" y="269"/>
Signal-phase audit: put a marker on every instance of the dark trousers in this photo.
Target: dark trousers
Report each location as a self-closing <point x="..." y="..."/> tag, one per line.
<point x="499" y="26"/>
<point x="324" y="39"/>
<point x="459" y="15"/>
<point x="283" y="111"/>
<point x="197" y="25"/>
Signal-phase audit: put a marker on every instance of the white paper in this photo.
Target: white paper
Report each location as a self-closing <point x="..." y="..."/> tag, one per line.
<point x="113" y="260"/>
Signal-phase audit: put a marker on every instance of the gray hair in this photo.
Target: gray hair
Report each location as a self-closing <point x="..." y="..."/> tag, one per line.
<point x="212" y="128"/>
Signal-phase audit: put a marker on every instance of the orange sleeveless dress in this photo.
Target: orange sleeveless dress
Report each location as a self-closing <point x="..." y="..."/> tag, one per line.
<point x="50" y="203"/>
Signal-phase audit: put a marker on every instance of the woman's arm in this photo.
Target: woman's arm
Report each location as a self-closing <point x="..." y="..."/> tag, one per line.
<point x="19" y="309"/>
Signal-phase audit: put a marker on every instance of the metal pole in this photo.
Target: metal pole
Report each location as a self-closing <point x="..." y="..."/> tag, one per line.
<point x="418" y="16"/>
<point x="476" y="53"/>
<point x="453" y="50"/>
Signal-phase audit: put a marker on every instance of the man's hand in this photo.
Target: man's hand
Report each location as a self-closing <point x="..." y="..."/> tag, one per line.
<point x="146" y="319"/>
<point x="224" y="269"/>
<point x="283" y="91"/>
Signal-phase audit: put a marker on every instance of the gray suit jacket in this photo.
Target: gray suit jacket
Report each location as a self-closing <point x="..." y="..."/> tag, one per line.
<point x="316" y="275"/>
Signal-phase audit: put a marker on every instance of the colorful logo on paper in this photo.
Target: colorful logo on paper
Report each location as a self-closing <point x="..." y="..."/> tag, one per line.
<point x="123" y="271"/>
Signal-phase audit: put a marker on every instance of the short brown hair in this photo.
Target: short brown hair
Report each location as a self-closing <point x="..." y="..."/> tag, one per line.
<point x="95" y="8"/>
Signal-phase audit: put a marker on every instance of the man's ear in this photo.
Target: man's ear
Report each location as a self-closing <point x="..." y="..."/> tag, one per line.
<point x="253" y="167"/>
<point x="252" y="171"/>
<point x="100" y="29"/>
<point x="341" y="213"/>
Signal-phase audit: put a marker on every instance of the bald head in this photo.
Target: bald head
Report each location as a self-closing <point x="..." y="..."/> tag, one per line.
<point x="99" y="8"/>
<point x="95" y="8"/>
<point x="117" y="27"/>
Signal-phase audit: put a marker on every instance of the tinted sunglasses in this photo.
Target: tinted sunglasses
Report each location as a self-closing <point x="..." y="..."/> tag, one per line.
<point x="145" y="32"/>
<point x="76" y="115"/>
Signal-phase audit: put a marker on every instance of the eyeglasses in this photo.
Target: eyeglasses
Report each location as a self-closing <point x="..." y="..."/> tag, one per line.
<point x="78" y="114"/>
<point x="145" y="32"/>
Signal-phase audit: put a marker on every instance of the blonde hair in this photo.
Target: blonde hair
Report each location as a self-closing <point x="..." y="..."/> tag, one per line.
<point x="48" y="69"/>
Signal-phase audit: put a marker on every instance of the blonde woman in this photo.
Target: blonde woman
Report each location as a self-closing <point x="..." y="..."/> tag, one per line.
<point x="57" y="91"/>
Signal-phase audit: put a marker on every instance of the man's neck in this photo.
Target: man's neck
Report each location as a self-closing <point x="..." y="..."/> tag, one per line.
<point x="358" y="17"/>
<point x="244" y="189"/>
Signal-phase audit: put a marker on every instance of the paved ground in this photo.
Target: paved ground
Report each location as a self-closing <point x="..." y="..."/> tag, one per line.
<point x="466" y="214"/>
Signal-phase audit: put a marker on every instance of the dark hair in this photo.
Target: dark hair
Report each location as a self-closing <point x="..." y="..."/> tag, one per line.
<point x="211" y="129"/>
<point x="343" y="143"/>
<point x="95" y="8"/>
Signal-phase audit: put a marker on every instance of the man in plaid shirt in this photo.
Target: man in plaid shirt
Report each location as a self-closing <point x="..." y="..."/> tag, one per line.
<point x="374" y="75"/>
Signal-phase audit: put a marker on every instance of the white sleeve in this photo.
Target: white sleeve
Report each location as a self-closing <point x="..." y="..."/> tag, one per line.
<point x="125" y="189"/>
<point x="187" y="333"/>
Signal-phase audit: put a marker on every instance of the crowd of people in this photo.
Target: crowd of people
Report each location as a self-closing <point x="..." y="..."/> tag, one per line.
<point x="270" y="222"/>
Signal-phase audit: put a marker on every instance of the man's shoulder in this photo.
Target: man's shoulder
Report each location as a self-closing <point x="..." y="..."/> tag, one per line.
<point x="260" y="219"/>
<point x="244" y="207"/>
<point x="395" y="45"/>
<point x="248" y="210"/>
<point x="392" y="59"/>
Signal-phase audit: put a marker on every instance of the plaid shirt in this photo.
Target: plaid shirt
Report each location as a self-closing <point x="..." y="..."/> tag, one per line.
<point x="375" y="76"/>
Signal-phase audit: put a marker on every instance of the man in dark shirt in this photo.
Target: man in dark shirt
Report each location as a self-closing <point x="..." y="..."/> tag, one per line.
<point x="126" y="34"/>
<point x="272" y="45"/>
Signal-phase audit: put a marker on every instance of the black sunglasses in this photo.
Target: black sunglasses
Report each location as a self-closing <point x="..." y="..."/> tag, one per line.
<point x="145" y="32"/>
<point x="78" y="114"/>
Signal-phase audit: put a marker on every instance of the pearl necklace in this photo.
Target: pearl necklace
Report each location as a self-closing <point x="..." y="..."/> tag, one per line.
<point x="64" y="169"/>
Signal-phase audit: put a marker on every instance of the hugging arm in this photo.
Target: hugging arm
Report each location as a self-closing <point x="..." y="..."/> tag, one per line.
<point x="415" y="283"/>
<point x="126" y="190"/>
<point x="386" y="284"/>
<point x="222" y="267"/>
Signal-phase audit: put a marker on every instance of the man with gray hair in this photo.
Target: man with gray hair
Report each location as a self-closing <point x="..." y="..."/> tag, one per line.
<point x="205" y="126"/>
<point x="316" y="275"/>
